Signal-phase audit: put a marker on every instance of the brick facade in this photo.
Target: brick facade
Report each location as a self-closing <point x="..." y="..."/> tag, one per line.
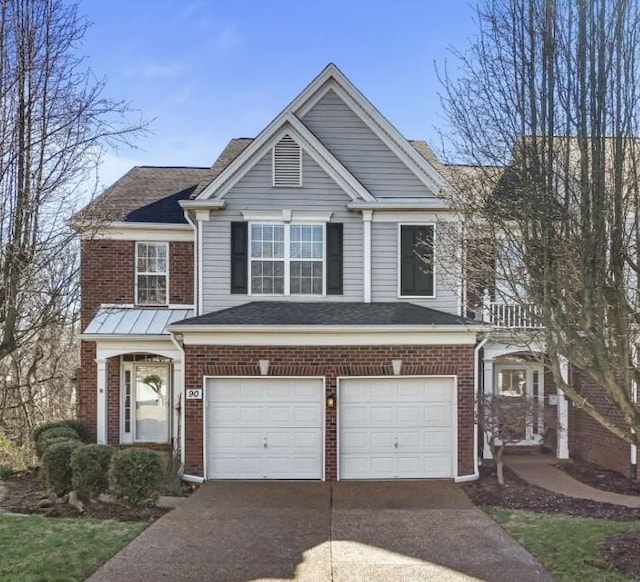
<point x="331" y="362"/>
<point x="107" y="276"/>
<point x="588" y="439"/>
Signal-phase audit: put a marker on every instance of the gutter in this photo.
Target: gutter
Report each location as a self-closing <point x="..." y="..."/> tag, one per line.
<point x="312" y="329"/>
<point x="397" y="206"/>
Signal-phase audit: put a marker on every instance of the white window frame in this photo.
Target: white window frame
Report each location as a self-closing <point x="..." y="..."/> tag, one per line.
<point x="399" y="261"/>
<point x="139" y="273"/>
<point x="130" y="366"/>
<point x="287" y="258"/>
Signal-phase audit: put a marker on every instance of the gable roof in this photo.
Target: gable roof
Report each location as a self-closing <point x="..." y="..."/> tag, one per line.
<point x="323" y="313"/>
<point x="331" y="78"/>
<point x="146" y="194"/>
<point x="285" y="123"/>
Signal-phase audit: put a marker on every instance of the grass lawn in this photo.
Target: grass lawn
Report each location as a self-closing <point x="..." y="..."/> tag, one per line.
<point x="34" y="548"/>
<point x="567" y="546"/>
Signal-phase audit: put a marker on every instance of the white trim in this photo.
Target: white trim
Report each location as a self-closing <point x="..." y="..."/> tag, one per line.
<point x="197" y="253"/>
<point x="562" y="448"/>
<point x="467" y="478"/>
<point x="205" y="377"/>
<point x="130" y="437"/>
<point x="409" y="216"/>
<point x="200" y="276"/>
<point x="454" y="424"/>
<point x="367" y="215"/>
<point x="285" y="216"/>
<point x="287" y="259"/>
<point x="101" y="406"/>
<point x="285" y="123"/>
<point x="111" y="349"/>
<point x="144" y="232"/>
<point x="180" y="381"/>
<point x="399" y="261"/>
<point x="273" y="165"/>
<point x="335" y="80"/>
<point x="137" y="274"/>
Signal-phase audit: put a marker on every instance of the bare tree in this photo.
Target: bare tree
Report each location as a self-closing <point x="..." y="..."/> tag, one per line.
<point x="545" y="108"/>
<point x="503" y="420"/>
<point x="54" y="125"/>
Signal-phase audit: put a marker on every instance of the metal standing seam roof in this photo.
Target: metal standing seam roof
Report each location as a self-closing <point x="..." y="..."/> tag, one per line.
<point x="134" y="321"/>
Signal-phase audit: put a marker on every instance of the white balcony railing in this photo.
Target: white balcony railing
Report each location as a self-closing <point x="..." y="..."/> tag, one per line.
<point x="510" y="315"/>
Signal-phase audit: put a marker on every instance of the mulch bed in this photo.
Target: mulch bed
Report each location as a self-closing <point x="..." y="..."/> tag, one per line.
<point x="26" y="492"/>
<point x="622" y="551"/>
<point x="600" y="478"/>
<point x="518" y="494"/>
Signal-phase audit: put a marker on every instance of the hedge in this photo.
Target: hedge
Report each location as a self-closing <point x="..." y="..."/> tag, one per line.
<point x="136" y="476"/>
<point x="90" y="470"/>
<point x="56" y="465"/>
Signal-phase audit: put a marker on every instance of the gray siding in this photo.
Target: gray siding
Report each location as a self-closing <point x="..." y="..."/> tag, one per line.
<point x="361" y="151"/>
<point x="254" y="192"/>
<point x="384" y="271"/>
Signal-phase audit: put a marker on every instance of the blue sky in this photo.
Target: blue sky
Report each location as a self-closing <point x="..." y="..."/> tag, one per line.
<point x="209" y="70"/>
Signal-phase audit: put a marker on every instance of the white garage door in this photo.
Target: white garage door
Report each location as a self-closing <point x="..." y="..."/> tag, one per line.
<point x="396" y="428"/>
<point x="264" y="428"/>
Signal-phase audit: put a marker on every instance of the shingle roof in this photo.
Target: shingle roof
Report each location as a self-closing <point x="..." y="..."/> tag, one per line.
<point x="234" y="148"/>
<point x="152" y="193"/>
<point x="146" y="194"/>
<point x="337" y="313"/>
<point x="134" y="321"/>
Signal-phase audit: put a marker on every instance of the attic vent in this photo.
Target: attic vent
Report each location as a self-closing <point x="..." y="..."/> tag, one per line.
<point x="287" y="163"/>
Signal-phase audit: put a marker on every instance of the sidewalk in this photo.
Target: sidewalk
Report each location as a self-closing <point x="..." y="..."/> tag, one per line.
<point x="540" y="470"/>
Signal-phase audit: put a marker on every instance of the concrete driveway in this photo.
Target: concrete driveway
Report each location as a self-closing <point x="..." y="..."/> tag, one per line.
<point x="348" y="531"/>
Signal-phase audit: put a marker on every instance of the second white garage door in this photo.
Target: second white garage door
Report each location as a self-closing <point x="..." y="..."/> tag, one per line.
<point x="264" y="428"/>
<point x="397" y="428"/>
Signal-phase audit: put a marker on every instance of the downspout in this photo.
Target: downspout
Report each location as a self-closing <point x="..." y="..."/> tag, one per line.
<point x="196" y="262"/>
<point x="476" y="389"/>
<point x="181" y="434"/>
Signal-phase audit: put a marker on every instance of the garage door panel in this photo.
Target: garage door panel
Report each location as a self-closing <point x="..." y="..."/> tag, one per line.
<point x="264" y="428"/>
<point x="396" y="428"/>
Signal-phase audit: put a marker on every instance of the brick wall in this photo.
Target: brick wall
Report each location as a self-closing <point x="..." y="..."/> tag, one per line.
<point x="588" y="439"/>
<point x="331" y="362"/>
<point x="107" y="276"/>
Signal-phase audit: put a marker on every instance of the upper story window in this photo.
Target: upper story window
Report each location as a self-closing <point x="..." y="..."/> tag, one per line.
<point x="152" y="273"/>
<point x="417" y="260"/>
<point x="287" y="259"/>
<point x="287" y="163"/>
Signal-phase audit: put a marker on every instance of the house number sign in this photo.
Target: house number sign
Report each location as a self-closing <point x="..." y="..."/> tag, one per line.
<point x="194" y="393"/>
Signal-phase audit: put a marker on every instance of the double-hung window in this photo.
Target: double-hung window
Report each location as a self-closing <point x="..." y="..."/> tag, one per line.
<point x="152" y="273"/>
<point x="287" y="259"/>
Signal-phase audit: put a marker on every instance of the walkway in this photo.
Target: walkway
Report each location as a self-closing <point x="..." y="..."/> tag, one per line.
<point x="540" y="470"/>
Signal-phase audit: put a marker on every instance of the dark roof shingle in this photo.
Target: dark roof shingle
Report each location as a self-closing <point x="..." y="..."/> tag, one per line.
<point x="317" y="313"/>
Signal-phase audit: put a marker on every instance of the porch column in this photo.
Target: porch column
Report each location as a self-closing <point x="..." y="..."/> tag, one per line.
<point x="562" y="447"/>
<point x="178" y="400"/>
<point x="101" y="401"/>
<point x="488" y="389"/>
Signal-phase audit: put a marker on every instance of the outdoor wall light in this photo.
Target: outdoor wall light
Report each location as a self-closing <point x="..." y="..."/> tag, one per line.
<point x="397" y="367"/>
<point x="264" y="367"/>
<point x="331" y="401"/>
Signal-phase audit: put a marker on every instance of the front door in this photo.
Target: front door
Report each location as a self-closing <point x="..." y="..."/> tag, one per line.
<point x="524" y="381"/>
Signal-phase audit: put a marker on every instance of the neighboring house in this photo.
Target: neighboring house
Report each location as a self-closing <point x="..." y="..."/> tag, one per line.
<point x="284" y="314"/>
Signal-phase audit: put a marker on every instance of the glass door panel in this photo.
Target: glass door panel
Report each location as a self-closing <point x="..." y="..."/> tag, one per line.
<point x="152" y="403"/>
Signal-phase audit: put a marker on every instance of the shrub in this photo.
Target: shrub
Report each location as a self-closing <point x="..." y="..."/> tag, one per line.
<point x="90" y="468"/>
<point x="17" y="457"/>
<point x="5" y="472"/>
<point x="54" y="433"/>
<point x="75" y="425"/>
<point x="56" y="465"/>
<point x="135" y="476"/>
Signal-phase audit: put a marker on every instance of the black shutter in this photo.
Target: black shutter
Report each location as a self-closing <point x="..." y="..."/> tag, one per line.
<point x="239" y="248"/>
<point x="334" y="258"/>
<point x="416" y="260"/>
